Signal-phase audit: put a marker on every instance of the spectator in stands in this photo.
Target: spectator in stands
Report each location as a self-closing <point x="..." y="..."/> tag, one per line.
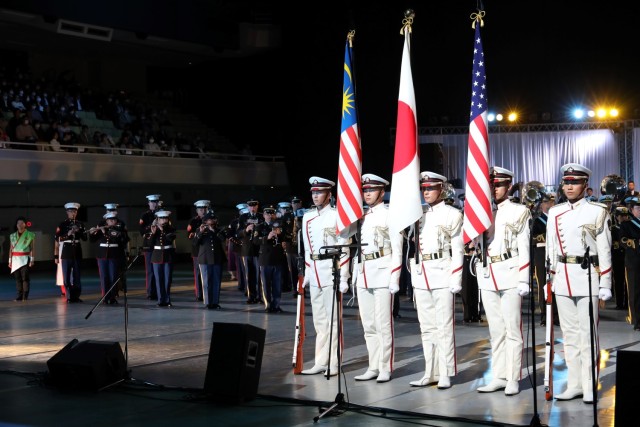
<point x="54" y="144"/>
<point x="13" y="124"/>
<point x="69" y="139"/>
<point x="125" y="145"/>
<point x="17" y="103"/>
<point x="152" y="148"/>
<point x="4" y="138"/>
<point x="5" y="103"/>
<point x="84" y="137"/>
<point x="34" y="114"/>
<point x="107" y="144"/>
<point x="26" y="133"/>
<point x="64" y="128"/>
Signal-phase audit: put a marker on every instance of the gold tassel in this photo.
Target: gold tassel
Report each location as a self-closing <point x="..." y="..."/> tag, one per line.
<point x="477" y="17"/>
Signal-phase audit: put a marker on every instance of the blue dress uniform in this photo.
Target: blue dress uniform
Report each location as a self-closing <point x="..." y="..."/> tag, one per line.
<point x="249" y="252"/>
<point x="146" y="219"/>
<point x="269" y="236"/>
<point x="162" y="240"/>
<point x="234" y="247"/>
<point x="122" y="263"/>
<point x="68" y="235"/>
<point x="573" y="227"/>
<point x="112" y="240"/>
<point x="288" y="221"/>
<point x="630" y="238"/>
<point x="194" y="224"/>
<point x="209" y="242"/>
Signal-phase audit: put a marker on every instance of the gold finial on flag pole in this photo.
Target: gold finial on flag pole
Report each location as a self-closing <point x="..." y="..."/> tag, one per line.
<point x="407" y="22"/>
<point x="477" y="17"/>
<point x="350" y="35"/>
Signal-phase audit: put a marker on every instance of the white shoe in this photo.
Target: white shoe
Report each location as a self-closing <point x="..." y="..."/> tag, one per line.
<point x="423" y="382"/>
<point x="512" y="388"/>
<point x="569" y="394"/>
<point x="332" y="372"/>
<point x="369" y="375"/>
<point x="494" y="385"/>
<point x="445" y="382"/>
<point x="383" y="376"/>
<point x="316" y="369"/>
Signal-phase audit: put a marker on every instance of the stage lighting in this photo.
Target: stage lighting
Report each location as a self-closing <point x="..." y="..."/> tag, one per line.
<point x="499" y="117"/>
<point x="491" y="117"/>
<point x="614" y="112"/>
<point x="591" y="113"/>
<point x="513" y="117"/>
<point x="601" y="113"/>
<point x="578" y="113"/>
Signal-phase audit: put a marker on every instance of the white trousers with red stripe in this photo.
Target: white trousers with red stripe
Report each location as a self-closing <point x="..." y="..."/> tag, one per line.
<point x="435" y="313"/>
<point x="376" y="307"/>
<point x="503" y="309"/>
<point x="574" y="322"/>
<point x="322" y="301"/>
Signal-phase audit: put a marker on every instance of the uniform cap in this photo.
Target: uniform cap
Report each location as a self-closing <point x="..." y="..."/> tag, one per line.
<point x="72" y="205"/>
<point x="606" y="198"/>
<point x="295" y="199"/>
<point x="622" y="210"/>
<point x="575" y="171"/>
<point x="631" y="201"/>
<point x="319" y="184"/>
<point x="244" y="210"/>
<point x="269" y="209"/>
<point x="108" y="215"/>
<point x="370" y="180"/>
<point x="163" y="214"/>
<point x="153" y="197"/>
<point x="111" y="206"/>
<point x="429" y="179"/>
<point x="284" y="205"/>
<point x="202" y="204"/>
<point x="252" y="202"/>
<point x="241" y="206"/>
<point x="500" y="174"/>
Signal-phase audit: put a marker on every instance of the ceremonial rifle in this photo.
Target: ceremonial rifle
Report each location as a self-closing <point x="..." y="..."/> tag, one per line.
<point x="548" y="360"/>
<point x="298" y="360"/>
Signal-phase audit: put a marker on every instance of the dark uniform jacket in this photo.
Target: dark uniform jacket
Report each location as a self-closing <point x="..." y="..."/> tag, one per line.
<point x="209" y="245"/>
<point x="145" y="229"/>
<point x="248" y="247"/>
<point x="161" y="243"/>
<point x="271" y="251"/>
<point x="112" y="242"/>
<point x="235" y="244"/>
<point x="288" y="221"/>
<point x="71" y="248"/>
<point x="194" y="224"/>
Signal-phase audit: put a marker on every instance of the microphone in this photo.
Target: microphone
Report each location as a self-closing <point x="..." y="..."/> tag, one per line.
<point x="585" y="261"/>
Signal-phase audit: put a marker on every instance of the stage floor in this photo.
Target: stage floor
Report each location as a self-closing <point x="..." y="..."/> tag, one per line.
<point x="168" y="350"/>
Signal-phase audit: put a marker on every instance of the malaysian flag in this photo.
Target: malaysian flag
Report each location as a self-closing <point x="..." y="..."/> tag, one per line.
<point x="405" y="204"/>
<point x="477" y="205"/>
<point x="349" y="198"/>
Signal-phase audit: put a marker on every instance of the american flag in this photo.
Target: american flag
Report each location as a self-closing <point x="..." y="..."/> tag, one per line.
<point x="405" y="205"/>
<point x="349" y="199"/>
<point x="477" y="205"/>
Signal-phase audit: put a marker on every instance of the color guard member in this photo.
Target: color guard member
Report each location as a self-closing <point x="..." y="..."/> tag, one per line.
<point x="209" y="242"/>
<point x="162" y="241"/>
<point x="68" y="236"/>
<point x="249" y="252"/>
<point x="112" y="242"/>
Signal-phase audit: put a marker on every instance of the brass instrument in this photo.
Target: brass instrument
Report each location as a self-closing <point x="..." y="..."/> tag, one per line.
<point x="613" y="185"/>
<point x="448" y="193"/>
<point x="532" y="193"/>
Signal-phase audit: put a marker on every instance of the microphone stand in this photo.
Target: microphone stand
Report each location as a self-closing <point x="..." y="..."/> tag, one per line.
<point x="535" y="421"/>
<point x="126" y="309"/>
<point x="335" y="253"/>
<point x="586" y="265"/>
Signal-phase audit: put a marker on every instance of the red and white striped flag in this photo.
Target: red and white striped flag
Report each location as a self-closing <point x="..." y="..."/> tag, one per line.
<point x="405" y="204"/>
<point x="477" y="204"/>
<point x="349" y="198"/>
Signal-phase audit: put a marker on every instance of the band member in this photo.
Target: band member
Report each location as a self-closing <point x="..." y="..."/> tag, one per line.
<point x="436" y="278"/>
<point x="575" y="228"/>
<point x="503" y="278"/>
<point x="21" y="257"/>
<point x="246" y="227"/>
<point x="194" y="224"/>
<point x="112" y="241"/>
<point x="618" y="250"/>
<point x="630" y="237"/>
<point x="270" y="236"/>
<point x="209" y="241"/>
<point x="122" y="264"/>
<point x="378" y="277"/>
<point x="539" y="237"/>
<point x="146" y="219"/>
<point x="287" y="219"/>
<point x="319" y="230"/>
<point x="68" y="235"/>
<point x="470" y="294"/>
<point x="162" y="242"/>
<point x="234" y="248"/>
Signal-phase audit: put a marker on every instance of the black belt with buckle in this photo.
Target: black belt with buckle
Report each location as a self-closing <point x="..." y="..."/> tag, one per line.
<point x="375" y="255"/>
<point x="576" y="259"/>
<point x="502" y="257"/>
<point x="434" y="255"/>
<point x="315" y="257"/>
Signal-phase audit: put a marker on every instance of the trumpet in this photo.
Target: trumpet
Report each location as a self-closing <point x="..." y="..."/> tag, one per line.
<point x="94" y="230"/>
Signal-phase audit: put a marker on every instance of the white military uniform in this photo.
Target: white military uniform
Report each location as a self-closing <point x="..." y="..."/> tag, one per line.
<point x="435" y="279"/>
<point x="507" y="266"/>
<point x="571" y="228"/>
<point x="318" y="230"/>
<point x="378" y="273"/>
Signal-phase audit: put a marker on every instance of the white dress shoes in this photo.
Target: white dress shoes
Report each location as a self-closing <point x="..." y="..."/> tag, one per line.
<point x="445" y="382"/>
<point x="512" y="388"/>
<point x="423" y="382"/>
<point x="333" y="372"/>
<point x="383" y="376"/>
<point x="569" y="394"/>
<point x="587" y="398"/>
<point x="494" y="385"/>
<point x="369" y="375"/>
<point x="316" y="369"/>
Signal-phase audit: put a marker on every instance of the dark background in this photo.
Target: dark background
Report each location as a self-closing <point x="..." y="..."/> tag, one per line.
<point x="543" y="56"/>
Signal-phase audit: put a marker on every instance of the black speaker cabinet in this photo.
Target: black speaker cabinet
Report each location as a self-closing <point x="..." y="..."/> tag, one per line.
<point x="87" y="365"/>
<point x="235" y="359"/>
<point x="627" y="381"/>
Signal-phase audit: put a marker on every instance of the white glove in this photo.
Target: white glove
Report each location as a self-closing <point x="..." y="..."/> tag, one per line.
<point x="523" y="289"/>
<point x="344" y="286"/>
<point x="306" y="281"/>
<point x="455" y="288"/>
<point x="604" y="294"/>
<point x="393" y="288"/>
